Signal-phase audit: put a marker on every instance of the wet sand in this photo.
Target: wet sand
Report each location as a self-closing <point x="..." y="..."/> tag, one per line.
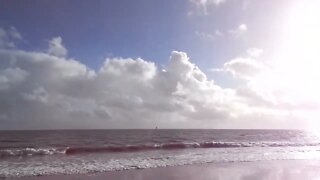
<point x="266" y="170"/>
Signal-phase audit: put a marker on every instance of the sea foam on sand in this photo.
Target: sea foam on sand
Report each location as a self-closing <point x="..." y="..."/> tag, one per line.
<point x="267" y="170"/>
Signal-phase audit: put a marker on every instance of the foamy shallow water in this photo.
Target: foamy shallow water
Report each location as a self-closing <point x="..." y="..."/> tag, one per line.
<point x="92" y="163"/>
<point x="78" y="152"/>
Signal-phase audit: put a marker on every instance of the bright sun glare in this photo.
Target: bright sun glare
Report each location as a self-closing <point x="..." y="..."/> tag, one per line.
<point x="301" y="47"/>
<point x="296" y="66"/>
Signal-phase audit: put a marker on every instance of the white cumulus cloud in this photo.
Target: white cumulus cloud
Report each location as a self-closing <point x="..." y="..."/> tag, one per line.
<point x="56" y="47"/>
<point x="47" y="90"/>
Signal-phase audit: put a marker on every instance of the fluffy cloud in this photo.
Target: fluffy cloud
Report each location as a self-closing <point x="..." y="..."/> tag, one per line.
<point x="39" y="90"/>
<point x="56" y="47"/>
<point x="271" y="89"/>
<point x="243" y="68"/>
<point x="48" y="90"/>
<point x="11" y="76"/>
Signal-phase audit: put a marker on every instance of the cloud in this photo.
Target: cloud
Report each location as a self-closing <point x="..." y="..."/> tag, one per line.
<point x="8" y="37"/>
<point x="254" y="52"/>
<point x="209" y="36"/>
<point x="39" y="90"/>
<point x="11" y="76"/>
<point x="268" y="89"/>
<point x="243" y="68"/>
<point x="206" y="36"/>
<point x="56" y="47"/>
<point x="204" y="5"/>
<point x="240" y="30"/>
<point x="14" y="33"/>
<point x="45" y="90"/>
<point x="237" y="32"/>
<point x="207" y="2"/>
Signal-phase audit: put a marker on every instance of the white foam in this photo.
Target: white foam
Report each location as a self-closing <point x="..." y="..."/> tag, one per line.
<point x="151" y="159"/>
<point x="30" y="152"/>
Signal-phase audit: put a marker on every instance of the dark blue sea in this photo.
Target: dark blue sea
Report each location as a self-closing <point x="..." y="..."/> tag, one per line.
<point x="52" y="152"/>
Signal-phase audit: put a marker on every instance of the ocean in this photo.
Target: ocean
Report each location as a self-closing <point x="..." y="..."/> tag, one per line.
<point x="55" y="152"/>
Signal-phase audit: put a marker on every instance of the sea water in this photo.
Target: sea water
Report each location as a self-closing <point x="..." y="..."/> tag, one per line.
<point x="53" y="152"/>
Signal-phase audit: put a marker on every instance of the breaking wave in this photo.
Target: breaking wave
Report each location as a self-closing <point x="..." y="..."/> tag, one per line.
<point x="30" y="152"/>
<point x="21" y="152"/>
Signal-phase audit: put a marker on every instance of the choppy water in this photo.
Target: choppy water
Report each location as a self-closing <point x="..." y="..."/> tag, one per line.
<point x="33" y="153"/>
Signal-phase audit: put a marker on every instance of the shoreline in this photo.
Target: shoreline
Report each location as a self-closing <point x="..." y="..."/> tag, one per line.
<point x="268" y="170"/>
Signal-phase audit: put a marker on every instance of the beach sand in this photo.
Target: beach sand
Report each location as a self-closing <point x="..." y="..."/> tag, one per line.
<point x="266" y="170"/>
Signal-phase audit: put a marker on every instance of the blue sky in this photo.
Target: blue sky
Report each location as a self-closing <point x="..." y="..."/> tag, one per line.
<point x="94" y="30"/>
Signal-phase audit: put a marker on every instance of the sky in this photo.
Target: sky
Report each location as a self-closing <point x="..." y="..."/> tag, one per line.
<point x="171" y="64"/>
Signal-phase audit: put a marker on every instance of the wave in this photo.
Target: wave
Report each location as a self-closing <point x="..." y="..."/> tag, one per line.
<point x="92" y="164"/>
<point x="144" y="147"/>
<point x="182" y="145"/>
<point x="30" y="152"/>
